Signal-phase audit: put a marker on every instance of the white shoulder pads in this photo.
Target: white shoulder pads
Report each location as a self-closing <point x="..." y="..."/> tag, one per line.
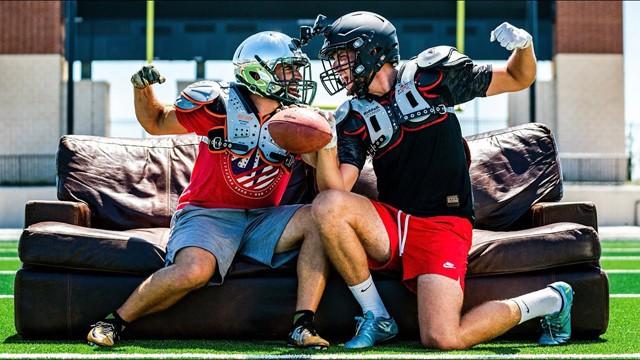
<point x="342" y="111"/>
<point x="446" y="56"/>
<point x="198" y="94"/>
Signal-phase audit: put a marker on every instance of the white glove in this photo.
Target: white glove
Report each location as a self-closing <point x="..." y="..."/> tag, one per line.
<point x="511" y="37"/>
<point x="332" y="124"/>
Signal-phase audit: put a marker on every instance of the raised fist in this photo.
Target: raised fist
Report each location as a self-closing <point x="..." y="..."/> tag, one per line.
<point x="146" y="76"/>
<point x="511" y="37"/>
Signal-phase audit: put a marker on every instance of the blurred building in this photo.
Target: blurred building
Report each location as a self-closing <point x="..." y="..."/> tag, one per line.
<point x="583" y="103"/>
<point x="33" y="92"/>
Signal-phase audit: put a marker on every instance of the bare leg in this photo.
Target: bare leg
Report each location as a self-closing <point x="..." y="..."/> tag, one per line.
<point x="313" y="267"/>
<point x="192" y="269"/>
<point x="351" y="230"/>
<point x="439" y="315"/>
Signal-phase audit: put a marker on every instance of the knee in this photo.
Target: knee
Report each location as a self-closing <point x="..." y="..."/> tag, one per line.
<point x="329" y="206"/>
<point x="441" y="341"/>
<point x="192" y="276"/>
<point x="305" y="220"/>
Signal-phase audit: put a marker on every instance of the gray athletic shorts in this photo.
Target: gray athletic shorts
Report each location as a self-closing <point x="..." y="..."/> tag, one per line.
<point x="226" y="233"/>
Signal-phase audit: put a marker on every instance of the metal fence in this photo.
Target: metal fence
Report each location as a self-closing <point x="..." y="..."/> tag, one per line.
<point x="587" y="167"/>
<point x="30" y="169"/>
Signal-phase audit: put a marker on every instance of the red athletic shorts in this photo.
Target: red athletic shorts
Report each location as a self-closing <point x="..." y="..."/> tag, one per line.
<point x="433" y="245"/>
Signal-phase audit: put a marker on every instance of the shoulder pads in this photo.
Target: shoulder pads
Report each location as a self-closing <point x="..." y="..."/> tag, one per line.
<point x="350" y="120"/>
<point x="445" y="56"/>
<point x="342" y="111"/>
<point x="198" y="94"/>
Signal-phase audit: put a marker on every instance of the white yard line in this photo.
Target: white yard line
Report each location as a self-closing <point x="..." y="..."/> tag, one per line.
<point x="621" y="258"/>
<point x="615" y="296"/>
<point x="65" y="356"/>
<point x="624" y="271"/>
<point x="605" y="250"/>
<point x="7" y="272"/>
<point x="9" y="258"/>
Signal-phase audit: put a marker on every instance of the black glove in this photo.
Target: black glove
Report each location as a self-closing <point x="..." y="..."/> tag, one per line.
<point x="146" y="76"/>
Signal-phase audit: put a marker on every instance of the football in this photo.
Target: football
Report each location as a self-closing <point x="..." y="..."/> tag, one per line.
<point x="299" y="130"/>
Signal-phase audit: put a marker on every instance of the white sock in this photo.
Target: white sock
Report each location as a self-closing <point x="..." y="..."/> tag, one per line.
<point x="367" y="296"/>
<point x="538" y="303"/>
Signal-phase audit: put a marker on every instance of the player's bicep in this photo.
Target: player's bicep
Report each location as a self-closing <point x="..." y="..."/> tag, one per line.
<point x="502" y="81"/>
<point x="168" y="123"/>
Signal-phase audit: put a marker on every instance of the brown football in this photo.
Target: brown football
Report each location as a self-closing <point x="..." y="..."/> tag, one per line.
<point x="299" y="130"/>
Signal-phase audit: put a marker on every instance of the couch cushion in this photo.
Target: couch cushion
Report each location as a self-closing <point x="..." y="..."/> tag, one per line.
<point x="138" y="251"/>
<point x="142" y="251"/>
<point x="127" y="183"/>
<point x="543" y="247"/>
<point x="511" y="170"/>
<point x="135" y="183"/>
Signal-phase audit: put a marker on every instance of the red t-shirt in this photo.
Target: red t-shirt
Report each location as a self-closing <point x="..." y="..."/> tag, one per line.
<point x="224" y="180"/>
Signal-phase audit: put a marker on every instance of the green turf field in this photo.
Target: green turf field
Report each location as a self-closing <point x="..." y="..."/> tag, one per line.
<point x="622" y="340"/>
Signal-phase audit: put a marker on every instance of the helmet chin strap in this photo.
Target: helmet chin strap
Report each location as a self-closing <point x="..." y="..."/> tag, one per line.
<point x="361" y="84"/>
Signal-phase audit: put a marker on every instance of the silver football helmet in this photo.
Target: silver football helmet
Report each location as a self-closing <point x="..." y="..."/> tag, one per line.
<point x="271" y="64"/>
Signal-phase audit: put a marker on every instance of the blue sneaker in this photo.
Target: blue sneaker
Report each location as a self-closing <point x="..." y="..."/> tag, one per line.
<point x="556" y="327"/>
<point x="372" y="330"/>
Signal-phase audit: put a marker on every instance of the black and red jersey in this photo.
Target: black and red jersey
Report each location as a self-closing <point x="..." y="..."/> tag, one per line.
<point x="424" y="171"/>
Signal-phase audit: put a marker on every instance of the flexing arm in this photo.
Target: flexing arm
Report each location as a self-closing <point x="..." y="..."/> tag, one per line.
<point x="520" y="71"/>
<point x="155" y="118"/>
<point x="330" y="174"/>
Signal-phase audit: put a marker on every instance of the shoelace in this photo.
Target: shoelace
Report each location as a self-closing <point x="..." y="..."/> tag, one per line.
<point x="364" y="323"/>
<point x="301" y="332"/>
<point x="107" y="327"/>
<point x="547" y="325"/>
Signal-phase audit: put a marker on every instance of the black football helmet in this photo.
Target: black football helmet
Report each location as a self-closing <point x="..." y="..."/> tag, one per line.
<point x="374" y="41"/>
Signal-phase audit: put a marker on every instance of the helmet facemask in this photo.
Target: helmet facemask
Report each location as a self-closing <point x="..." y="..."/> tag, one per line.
<point x="361" y="72"/>
<point x="371" y="38"/>
<point x="272" y="65"/>
<point x="287" y="80"/>
<point x="341" y="58"/>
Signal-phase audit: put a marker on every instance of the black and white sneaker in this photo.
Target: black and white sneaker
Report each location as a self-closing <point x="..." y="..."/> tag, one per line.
<point x="103" y="334"/>
<point x="305" y="336"/>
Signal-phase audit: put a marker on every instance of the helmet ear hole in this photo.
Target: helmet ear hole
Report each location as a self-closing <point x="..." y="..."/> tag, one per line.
<point x="255" y="75"/>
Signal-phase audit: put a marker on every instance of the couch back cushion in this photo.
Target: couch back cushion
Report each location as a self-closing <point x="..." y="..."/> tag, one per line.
<point x="136" y="183"/>
<point x="511" y="169"/>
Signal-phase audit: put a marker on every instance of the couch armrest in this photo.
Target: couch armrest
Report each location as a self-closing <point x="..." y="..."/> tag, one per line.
<point x="545" y="213"/>
<point x="69" y="212"/>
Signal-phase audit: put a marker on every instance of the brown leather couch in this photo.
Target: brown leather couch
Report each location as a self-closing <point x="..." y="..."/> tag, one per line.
<point x="84" y="254"/>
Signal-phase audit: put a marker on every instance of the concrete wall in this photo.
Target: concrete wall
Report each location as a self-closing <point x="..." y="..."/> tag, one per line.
<point x="33" y="115"/>
<point x="588" y="74"/>
<point x="31" y="96"/>
<point x="518" y="106"/>
<point x="91" y="107"/>
<point x="590" y="111"/>
<point x="13" y="199"/>
<point x="590" y="103"/>
<point x="615" y="203"/>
